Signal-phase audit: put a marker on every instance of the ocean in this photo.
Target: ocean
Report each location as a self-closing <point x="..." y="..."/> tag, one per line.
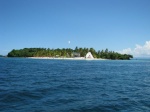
<point x="42" y="85"/>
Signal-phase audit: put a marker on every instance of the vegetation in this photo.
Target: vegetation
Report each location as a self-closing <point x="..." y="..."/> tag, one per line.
<point x="1" y="56"/>
<point x="43" y="52"/>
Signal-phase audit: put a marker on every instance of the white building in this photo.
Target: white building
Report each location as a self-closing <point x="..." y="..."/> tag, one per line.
<point x="89" y="56"/>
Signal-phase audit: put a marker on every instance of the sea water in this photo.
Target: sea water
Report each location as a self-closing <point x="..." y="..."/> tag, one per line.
<point x="42" y="85"/>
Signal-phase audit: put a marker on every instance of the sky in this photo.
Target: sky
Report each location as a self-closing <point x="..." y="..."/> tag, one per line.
<point x="119" y="25"/>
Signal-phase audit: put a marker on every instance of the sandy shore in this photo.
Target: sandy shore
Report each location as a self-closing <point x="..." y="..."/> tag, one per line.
<point x="80" y="58"/>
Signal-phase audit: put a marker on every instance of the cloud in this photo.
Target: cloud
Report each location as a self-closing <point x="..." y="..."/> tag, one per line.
<point x="68" y="42"/>
<point x="138" y="51"/>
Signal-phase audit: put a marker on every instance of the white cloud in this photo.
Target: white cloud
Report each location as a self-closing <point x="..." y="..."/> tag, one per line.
<point x="126" y="51"/>
<point x="69" y="42"/>
<point x="138" y="51"/>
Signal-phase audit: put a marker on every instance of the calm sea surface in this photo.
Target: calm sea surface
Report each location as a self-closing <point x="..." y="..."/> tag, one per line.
<point x="32" y="85"/>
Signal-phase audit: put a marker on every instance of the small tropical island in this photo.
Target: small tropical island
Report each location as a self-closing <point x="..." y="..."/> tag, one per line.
<point x="2" y="56"/>
<point x="81" y="53"/>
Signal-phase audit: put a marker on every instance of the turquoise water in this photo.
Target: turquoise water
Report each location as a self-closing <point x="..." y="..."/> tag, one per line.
<point x="30" y="85"/>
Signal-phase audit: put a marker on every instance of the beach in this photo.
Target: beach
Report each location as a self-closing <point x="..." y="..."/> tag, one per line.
<point x="64" y="58"/>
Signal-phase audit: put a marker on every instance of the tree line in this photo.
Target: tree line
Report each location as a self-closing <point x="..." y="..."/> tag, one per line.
<point x="67" y="52"/>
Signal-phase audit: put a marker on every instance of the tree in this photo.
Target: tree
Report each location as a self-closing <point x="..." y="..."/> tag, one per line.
<point x="43" y="52"/>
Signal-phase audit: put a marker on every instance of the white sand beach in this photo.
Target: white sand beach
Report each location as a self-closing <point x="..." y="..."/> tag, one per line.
<point x="64" y="58"/>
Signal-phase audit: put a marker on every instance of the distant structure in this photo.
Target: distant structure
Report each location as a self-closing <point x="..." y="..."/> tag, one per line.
<point x="75" y="54"/>
<point x="89" y="56"/>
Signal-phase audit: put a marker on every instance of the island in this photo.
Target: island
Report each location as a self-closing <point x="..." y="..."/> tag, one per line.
<point x="2" y="56"/>
<point x="68" y="53"/>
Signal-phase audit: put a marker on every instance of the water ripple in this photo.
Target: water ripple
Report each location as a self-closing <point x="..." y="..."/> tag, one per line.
<point x="29" y="85"/>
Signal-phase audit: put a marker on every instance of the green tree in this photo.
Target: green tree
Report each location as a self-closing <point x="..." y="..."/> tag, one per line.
<point x="43" y="52"/>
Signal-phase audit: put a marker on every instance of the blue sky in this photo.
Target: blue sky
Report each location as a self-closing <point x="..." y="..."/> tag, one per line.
<point x="118" y="25"/>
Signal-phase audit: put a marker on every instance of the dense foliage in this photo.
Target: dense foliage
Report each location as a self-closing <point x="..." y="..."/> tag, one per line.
<point x="43" y="52"/>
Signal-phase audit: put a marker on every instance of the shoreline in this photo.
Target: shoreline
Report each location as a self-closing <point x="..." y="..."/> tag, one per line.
<point x="53" y="58"/>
